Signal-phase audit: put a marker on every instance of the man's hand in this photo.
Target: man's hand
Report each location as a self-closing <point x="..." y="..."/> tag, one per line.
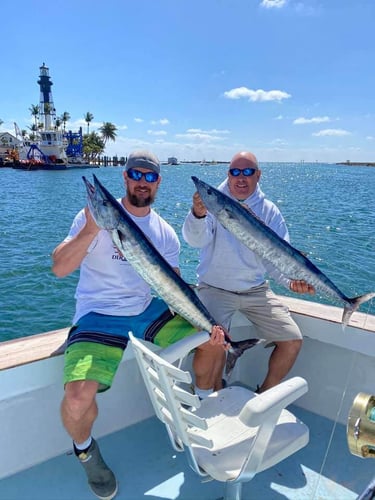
<point x="199" y="210"/>
<point x="301" y="286"/>
<point x="217" y="337"/>
<point x="90" y="226"/>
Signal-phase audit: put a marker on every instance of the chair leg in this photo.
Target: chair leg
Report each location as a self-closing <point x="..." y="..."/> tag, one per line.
<point x="233" y="490"/>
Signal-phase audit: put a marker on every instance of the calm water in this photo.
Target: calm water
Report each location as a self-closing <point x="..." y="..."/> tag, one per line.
<point x="330" y="211"/>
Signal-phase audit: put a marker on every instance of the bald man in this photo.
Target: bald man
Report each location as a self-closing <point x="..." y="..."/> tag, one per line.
<point x="233" y="278"/>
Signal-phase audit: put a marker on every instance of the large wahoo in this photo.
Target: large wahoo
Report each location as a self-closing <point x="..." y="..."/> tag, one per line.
<point x="262" y="240"/>
<point x="151" y="265"/>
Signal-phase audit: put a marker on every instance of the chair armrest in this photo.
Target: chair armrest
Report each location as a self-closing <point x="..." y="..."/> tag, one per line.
<point x="182" y="348"/>
<point x="270" y="403"/>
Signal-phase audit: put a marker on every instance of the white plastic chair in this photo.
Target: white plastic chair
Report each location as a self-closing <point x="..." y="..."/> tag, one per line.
<point x="231" y="435"/>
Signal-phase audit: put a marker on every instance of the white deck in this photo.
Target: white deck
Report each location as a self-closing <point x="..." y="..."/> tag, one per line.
<point x="337" y="365"/>
<point x="146" y="467"/>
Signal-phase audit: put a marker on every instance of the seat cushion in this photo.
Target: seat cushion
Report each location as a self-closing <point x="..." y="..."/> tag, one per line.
<point x="233" y="440"/>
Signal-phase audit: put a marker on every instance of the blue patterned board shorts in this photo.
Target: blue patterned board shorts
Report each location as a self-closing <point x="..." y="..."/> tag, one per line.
<point x="97" y="342"/>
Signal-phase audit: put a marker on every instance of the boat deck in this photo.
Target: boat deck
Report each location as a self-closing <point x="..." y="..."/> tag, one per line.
<point x="147" y="467"/>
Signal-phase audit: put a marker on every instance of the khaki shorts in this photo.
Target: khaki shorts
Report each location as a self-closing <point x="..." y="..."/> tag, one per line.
<point x="259" y="305"/>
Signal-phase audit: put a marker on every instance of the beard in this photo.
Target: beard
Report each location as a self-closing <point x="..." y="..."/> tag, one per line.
<point x="140" y="202"/>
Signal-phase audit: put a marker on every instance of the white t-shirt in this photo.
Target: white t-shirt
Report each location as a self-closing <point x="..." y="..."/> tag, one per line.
<point x="108" y="284"/>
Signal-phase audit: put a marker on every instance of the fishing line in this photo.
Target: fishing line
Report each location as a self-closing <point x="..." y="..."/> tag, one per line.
<point x="354" y="357"/>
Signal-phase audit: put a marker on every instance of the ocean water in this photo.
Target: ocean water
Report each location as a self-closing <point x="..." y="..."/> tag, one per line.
<point x="329" y="209"/>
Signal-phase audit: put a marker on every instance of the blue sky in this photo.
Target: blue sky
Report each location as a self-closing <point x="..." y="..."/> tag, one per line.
<point x="290" y="80"/>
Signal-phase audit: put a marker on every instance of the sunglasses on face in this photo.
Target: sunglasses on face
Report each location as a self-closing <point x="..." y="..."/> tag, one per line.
<point x="247" y="172"/>
<point x="136" y="175"/>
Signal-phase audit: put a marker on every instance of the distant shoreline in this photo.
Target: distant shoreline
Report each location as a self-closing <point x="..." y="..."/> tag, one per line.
<point x="357" y="163"/>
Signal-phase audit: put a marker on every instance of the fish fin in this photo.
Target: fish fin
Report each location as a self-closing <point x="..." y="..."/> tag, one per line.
<point x="353" y="305"/>
<point x="236" y="350"/>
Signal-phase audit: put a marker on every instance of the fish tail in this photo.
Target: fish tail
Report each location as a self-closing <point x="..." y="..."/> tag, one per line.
<point x="236" y="350"/>
<point x="353" y="305"/>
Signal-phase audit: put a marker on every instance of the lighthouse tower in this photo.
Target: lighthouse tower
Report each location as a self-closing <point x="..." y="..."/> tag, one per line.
<point x="47" y="109"/>
<point x="52" y="144"/>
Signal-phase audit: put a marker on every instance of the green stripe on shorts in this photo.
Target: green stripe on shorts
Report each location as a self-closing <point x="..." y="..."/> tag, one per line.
<point x="176" y="329"/>
<point x="91" y="361"/>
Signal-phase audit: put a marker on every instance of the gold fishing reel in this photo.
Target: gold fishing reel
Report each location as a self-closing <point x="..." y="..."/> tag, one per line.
<point x="360" y="430"/>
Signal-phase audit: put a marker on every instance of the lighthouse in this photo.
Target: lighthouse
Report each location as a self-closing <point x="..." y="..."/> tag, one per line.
<point x="53" y="148"/>
<point x="52" y="144"/>
<point x="47" y="109"/>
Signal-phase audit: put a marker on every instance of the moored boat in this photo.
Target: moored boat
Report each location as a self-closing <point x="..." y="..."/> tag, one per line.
<point x="172" y="160"/>
<point x="337" y="364"/>
<point x="53" y="149"/>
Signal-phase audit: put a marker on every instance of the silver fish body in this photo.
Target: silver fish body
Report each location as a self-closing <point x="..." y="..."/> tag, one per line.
<point x="267" y="244"/>
<point x="149" y="263"/>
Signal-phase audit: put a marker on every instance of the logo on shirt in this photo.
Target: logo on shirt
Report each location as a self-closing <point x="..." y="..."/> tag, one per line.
<point x="117" y="255"/>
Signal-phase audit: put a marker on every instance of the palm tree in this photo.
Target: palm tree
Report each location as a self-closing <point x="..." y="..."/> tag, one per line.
<point x="34" y="129"/>
<point x="108" y="131"/>
<point x="47" y="108"/>
<point x="58" y="123"/>
<point x="93" y="146"/>
<point x="34" y="110"/>
<point x="88" y="118"/>
<point x="65" y="117"/>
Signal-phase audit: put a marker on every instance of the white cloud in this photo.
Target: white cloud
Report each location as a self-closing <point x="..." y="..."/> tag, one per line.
<point x="213" y="131"/>
<point x="335" y="132"/>
<point x="162" y="121"/>
<point x="370" y="138"/>
<point x="270" y="4"/>
<point x="195" y="134"/>
<point x="315" y="119"/>
<point x="279" y="142"/>
<point x="82" y="123"/>
<point x="138" y="120"/>
<point x="256" y="95"/>
<point x="94" y="126"/>
<point x="156" y="132"/>
<point x="280" y="117"/>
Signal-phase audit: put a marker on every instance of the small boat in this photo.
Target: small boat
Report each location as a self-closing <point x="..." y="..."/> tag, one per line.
<point x="172" y="160"/>
<point x="36" y="461"/>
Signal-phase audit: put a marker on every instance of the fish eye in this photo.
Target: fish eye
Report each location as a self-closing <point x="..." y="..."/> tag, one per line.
<point x="209" y="191"/>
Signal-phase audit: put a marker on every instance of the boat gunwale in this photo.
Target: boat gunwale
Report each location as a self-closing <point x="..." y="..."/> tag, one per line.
<point x="25" y="350"/>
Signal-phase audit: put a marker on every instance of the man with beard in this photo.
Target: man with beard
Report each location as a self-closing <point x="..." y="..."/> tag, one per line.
<point x="111" y="300"/>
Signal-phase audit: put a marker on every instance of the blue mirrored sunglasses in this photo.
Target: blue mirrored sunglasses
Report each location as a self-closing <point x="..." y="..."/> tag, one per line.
<point x="247" y="172"/>
<point x="136" y="175"/>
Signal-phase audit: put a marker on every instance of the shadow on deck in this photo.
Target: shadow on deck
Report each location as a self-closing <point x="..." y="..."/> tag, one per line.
<point x="147" y="467"/>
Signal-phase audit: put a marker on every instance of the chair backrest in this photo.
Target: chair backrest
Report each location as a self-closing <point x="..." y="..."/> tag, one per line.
<point x="171" y="401"/>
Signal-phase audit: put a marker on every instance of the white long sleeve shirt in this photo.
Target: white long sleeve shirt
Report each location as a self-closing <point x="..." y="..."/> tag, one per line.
<point x="224" y="261"/>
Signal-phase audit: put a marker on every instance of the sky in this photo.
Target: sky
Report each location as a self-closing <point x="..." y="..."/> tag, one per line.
<point x="289" y="80"/>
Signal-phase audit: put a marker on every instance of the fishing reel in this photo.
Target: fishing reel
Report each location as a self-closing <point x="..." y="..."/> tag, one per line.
<point x="360" y="429"/>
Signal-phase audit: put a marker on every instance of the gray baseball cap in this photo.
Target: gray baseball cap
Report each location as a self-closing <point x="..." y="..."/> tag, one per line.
<point x="143" y="159"/>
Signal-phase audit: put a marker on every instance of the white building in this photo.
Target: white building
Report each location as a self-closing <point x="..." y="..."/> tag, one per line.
<point x="8" y="142"/>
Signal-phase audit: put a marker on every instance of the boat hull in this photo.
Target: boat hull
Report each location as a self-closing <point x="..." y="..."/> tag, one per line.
<point x="337" y="365"/>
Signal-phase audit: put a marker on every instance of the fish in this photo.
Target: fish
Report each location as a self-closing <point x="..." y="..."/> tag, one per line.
<point x="147" y="261"/>
<point x="267" y="244"/>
